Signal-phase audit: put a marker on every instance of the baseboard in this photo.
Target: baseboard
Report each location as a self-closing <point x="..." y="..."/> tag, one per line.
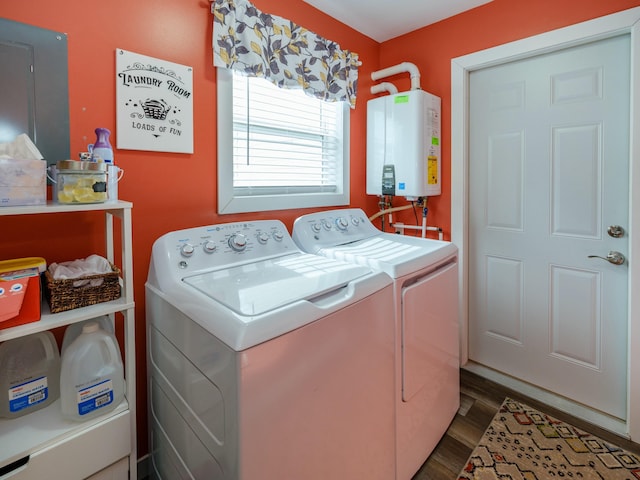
<point x="607" y="422"/>
<point x="143" y="467"/>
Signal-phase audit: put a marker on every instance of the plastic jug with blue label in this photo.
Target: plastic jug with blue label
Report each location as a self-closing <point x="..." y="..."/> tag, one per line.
<point x="74" y="330"/>
<point x="91" y="374"/>
<point x="29" y="374"/>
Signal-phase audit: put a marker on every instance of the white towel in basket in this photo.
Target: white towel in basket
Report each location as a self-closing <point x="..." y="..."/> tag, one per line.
<point x="82" y="267"/>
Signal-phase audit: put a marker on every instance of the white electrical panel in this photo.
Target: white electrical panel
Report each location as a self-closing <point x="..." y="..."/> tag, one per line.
<point x="403" y="145"/>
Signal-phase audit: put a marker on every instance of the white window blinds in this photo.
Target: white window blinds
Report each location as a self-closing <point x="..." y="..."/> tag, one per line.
<point x="284" y="141"/>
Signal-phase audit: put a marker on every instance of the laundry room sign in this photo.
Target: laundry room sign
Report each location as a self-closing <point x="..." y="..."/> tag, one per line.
<point x="154" y="104"/>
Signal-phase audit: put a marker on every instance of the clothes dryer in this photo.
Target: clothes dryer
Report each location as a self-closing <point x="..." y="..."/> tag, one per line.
<point x="425" y="277"/>
<point x="266" y="362"/>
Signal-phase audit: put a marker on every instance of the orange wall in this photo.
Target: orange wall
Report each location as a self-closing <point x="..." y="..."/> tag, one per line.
<point x="174" y="191"/>
<point x="500" y="21"/>
<point x="169" y="191"/>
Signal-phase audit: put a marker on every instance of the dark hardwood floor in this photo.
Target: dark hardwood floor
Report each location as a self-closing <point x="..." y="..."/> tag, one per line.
<point x="479" y="402"/>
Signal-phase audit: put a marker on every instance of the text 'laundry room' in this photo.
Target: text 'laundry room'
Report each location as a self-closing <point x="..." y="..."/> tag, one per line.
<point x="297" y="239"/>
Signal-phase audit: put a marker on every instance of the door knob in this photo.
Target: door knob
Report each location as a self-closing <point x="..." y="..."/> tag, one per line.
<point x="612" y="257"/>
<point x="615" y="231"/>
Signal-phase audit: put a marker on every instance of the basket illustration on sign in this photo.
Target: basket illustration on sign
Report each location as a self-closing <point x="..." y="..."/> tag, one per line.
<point x="156" y="109"/>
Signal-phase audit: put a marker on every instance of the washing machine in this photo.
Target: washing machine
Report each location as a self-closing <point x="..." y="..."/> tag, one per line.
<point x="425" y="277"/>
<point x="266" y="362"/>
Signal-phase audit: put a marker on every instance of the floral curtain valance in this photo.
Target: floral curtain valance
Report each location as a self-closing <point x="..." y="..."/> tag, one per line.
<point x="290" y="56"/>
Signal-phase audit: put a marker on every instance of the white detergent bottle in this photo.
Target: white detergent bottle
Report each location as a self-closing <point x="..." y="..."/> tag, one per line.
<point x="74" y="330"/>
<point x="29" y="374"/>
<point x="91" y="374"/>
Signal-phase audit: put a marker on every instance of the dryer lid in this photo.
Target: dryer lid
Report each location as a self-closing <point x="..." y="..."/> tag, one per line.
<point x="396" y="255"/>
<point x="256" y="288"/>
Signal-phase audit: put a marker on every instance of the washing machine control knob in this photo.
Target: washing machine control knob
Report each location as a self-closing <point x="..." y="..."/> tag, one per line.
<point x="326" y="225"/>
<point x="238" y="242"/>
<point x="263" y="237"/>
<point x="355" y="221"/>
<point x="186" y="250"/>
<point x="209" y="246"/>
<point x="342" y="223"/>
<point x="278" y="236"/>
<point x="316" y="227"/>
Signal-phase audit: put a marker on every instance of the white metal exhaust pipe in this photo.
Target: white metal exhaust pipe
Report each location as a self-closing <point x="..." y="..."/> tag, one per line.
<point x="384" y="87"/>
<point x="400" y="68"/>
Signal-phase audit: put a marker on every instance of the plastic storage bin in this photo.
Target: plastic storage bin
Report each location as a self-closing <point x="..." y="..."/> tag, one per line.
<point x="29" y="374"/>
<point x="20" y="293"/>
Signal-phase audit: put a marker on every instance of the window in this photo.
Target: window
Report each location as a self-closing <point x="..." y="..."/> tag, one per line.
<point x="279" y="148"/>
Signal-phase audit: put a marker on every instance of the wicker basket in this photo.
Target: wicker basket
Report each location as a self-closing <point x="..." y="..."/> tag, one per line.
<point x="62" y="295"/>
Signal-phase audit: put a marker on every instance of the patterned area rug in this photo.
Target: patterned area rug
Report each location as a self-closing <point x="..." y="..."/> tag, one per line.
<point x="523" y="443"/>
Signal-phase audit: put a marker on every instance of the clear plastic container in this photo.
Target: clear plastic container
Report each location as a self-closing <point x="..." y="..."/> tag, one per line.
<point x="74" y="330"/>
<point x="91" y="375"/>
<point x="29" y="374"/>
<point x="80" y="182"/>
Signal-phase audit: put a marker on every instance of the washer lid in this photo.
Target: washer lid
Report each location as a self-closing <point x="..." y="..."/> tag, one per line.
<point x="256" y="288"/>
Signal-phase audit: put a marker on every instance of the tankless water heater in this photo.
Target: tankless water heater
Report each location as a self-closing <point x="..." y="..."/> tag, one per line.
<point x="403" y="145"/>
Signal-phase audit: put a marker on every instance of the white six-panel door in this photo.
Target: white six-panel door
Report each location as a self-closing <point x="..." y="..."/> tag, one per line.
<point x="548" y="177"/>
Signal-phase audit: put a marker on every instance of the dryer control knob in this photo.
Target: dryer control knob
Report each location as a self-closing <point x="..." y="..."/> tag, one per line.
<point x="238" y="242"/>
<point x="209" y="246"/>
<point x="278" y="236"/>
<point x="316" y="227"/>
<point x="263" y="237"/>
<point x="342" y="223"/>
<point x="355" y="221"/>
<point x="187" y="250"/>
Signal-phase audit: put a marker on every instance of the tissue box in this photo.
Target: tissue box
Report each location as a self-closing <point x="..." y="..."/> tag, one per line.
<point x="20" y="292"/>
<point x="22" y="182"/>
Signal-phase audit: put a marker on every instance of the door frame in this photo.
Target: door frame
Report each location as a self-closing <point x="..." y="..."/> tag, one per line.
<point x="624" y="22"/>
